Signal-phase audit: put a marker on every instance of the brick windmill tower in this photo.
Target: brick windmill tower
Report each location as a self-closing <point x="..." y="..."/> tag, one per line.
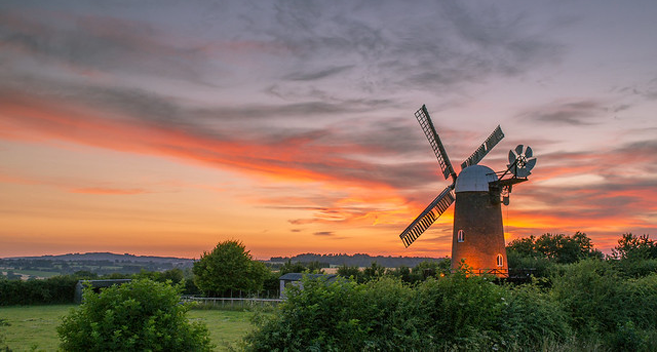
<point x="479" y="192"/>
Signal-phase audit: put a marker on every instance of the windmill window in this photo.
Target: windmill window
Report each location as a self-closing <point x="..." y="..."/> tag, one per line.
<point x="460" y="236"/>
<point x="500" y="260"/>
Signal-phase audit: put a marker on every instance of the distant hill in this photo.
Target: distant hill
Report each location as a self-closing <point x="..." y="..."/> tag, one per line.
<point x="358" y="259"/>
<point x="113" y="257"/>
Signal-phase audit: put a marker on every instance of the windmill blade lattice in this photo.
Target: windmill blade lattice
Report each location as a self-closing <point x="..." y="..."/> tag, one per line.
<point x="423" y="118"/>
<point x="484" y="148"/>
<point x="428" y="216"/>
<point x="521" y="160"/>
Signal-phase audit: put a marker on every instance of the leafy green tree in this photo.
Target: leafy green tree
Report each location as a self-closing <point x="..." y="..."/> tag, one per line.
<point x="141" y="315"/>
<point x="430" y="268"/>
<point x="403" y="273"/>
<point x="229" y="268"/>
<point x="632" y="247"/>
<point x="374" y="271"/>
<point x="315" y="267"/>
<point x="348" y="271"/>
<point x="289" y="267"/>
<point x="557" y="248"/>
<point x="85" y="274"/>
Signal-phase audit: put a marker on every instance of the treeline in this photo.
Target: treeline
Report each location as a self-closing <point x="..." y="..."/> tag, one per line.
<point x="358" y="260"/>
<point x="633" y="256"/>
<point x="100" y="263"/>
<point x="581" y="301"/>
<point x="61" y="289"/>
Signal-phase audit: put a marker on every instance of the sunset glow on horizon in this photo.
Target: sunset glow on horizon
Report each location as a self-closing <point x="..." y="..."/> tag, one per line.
<point x="165" y="129"/>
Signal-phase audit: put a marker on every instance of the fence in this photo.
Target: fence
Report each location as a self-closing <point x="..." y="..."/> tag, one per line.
<point x="232" y="302"/>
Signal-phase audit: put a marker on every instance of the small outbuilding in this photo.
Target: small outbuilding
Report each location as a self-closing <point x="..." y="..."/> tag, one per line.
<point x="95" y="285"/>
<point x="295" y="279"/>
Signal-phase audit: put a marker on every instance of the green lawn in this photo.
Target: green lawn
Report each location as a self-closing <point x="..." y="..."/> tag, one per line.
<point x="34" y="327"/>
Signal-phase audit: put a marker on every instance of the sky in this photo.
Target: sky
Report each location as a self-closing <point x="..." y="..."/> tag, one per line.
<point x="165" y="127"/>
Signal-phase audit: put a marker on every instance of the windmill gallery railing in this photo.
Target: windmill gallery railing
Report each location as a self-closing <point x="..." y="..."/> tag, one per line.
<point x="504" y="273"/>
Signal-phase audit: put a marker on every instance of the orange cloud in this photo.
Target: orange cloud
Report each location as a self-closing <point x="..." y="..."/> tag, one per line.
<point x="107" y="191"/>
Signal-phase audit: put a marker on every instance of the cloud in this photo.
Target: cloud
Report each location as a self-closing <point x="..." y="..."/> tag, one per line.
<point x="646" y="90"/>
<point x="618" y="194"/>
<point x="574" y="113"/>
<point x="430" y="46"/>
<point x="127" y="119"/>
<point x="324" y="233"/>
<point x="99" y="43"/>
<point x="108" y="191"/>
<point x="312" y="76"/>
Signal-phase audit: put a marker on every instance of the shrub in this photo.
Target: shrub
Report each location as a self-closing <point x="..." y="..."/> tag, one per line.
<point x="321" y="315"/>
<point x="532" y="318"/>
<point x="137" y="316"/>
<point x="57" y="289"/>
<point x="449" y="313"/>
<point x="455" y="312"/>
<point x="601" y="302"/>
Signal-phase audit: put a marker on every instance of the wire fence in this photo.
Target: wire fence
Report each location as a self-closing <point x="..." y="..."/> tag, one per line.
<point x="232" y="302"/>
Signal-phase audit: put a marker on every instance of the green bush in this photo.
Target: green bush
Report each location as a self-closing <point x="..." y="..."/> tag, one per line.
<point x="321" y="315"/>
<point x="455" y="310"/>
<point x="531" y="318"/>
<point x="55" y="290"/>
<point x="603" y="303"/>
<point x="141" y="315"/>
<point x="636" y="268"/>
<point x="449" y="313"/>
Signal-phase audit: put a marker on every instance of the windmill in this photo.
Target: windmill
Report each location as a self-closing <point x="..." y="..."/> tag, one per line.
<point x="478" y="191"/>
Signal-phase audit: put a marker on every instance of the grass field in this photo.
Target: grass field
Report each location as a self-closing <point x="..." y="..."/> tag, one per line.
<point x="33" y="328"/>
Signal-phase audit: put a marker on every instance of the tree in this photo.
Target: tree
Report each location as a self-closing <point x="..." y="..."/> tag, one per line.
<point x="557" y="248"/>
<point x="635" y="248"/>
<point x="315" y="267"/>
<point x="289" y="267"/>
<point x="141" y="315"/>
<point x="431" y="268"/>
<point x="374" y="271"/>
<point x="403" y="273"/>
<point x="229" y="267"/>
<point x="350" y="271"/>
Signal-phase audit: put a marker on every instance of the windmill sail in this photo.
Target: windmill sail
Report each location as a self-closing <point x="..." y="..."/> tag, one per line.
<point x="428" y="216"/>
<point x="483" y="149"/>
<point x="423" y="118"/>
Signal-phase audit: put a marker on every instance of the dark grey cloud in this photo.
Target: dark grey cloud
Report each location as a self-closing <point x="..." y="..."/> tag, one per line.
<point x="369" y="46"/>
<point x="641" y="91"/>
<point x="312" y="76"/>
<point x="576" y="113"/>
<point x="100" y="43"/>
<point x="324" y="233"/>
<point x="428" y="45"/>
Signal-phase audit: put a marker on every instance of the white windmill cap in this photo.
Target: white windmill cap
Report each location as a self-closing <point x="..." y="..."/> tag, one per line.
<point x="475" y="178"/>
